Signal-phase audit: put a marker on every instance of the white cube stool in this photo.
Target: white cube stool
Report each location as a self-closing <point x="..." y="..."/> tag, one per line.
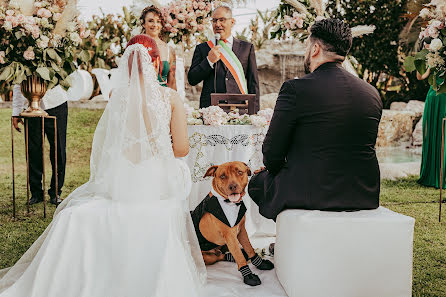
<point x="367" y="253"/>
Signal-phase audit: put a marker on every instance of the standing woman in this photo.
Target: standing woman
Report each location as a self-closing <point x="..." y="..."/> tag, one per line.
<point x="152" y="23"/>
<point x="434" y="112"/>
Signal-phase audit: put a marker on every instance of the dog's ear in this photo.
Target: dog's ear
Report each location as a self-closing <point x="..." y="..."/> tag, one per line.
<point x="211" y="171"/>
<point x="248" y="169"/>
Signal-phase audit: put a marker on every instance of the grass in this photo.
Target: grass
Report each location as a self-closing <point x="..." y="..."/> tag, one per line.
<point x="16" y="235"/>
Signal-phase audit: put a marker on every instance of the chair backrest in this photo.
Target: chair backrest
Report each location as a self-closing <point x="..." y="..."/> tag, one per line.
<point x="228" y="102"/>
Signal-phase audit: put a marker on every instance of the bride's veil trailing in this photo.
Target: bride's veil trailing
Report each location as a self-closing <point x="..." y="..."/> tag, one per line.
<point x="132" y="159"/>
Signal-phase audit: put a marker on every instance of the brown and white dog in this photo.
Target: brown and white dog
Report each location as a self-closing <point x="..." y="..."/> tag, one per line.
<point x="220" y="221"/>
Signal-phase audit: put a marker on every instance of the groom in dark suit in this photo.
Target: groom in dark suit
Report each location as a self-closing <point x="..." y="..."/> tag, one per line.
<point x="206" y="61"/>
<point x="319" y="151"/>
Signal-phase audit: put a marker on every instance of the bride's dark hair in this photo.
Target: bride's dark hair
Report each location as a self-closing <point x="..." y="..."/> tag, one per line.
<point x="153" y="9"/>
<point x="151" y="46"/>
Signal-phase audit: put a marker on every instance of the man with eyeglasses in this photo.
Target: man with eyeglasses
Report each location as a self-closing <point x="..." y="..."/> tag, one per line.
<point x="210" y="66"/>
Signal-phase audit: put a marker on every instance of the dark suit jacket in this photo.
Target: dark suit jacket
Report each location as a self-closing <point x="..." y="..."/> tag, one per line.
<point x="320" y="147"/>
<point x="200" y="70"/>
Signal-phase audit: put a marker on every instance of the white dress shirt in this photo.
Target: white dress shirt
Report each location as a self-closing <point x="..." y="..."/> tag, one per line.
<point x="53" y="98"/>
<point x="229" y="42"/>
<point x="230" y="209"/>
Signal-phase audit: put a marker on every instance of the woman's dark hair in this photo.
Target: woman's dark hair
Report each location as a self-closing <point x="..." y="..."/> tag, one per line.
<point x="333" y="34"/>
<point x="153" y="9"/>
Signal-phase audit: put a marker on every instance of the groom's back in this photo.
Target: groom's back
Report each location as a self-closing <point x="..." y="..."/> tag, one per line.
<point x="331" y="162"/>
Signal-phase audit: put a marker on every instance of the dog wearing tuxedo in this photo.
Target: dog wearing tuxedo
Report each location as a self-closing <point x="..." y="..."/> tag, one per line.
<point x="219" y="221"/>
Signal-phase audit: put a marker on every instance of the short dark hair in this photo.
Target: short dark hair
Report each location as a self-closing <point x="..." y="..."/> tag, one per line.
<point x="334" y="34"/>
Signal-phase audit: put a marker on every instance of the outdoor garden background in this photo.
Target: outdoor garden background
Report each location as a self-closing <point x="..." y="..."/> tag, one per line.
<point x="377" y="58"/>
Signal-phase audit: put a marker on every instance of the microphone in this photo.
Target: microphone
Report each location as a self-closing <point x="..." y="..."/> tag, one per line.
<point x="217" y="38"/>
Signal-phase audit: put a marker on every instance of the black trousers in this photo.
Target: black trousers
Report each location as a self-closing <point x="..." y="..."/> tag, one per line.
<point x="35" y="150"/>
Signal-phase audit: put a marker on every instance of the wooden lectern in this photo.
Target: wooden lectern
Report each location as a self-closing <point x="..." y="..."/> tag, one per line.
<point x="228" y="102"/>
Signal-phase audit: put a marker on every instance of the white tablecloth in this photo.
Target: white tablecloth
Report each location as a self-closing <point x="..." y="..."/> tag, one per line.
<point x="214" y="145"/>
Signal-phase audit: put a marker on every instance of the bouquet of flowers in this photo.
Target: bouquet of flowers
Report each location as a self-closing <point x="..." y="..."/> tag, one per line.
<point x="434" y="55"/>
<point x="215" y="116"/>
<point x="39" y="37"/>
<point x="184" y="18"/>
<point x="294" y="17"/>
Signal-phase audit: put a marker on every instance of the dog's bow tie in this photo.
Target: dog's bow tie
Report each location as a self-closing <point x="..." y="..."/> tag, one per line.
<point x="229" y="201"/>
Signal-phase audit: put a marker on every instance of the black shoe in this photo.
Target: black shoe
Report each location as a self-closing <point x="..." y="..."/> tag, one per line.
<point x="252" y="280"/>
<point x="265" y="265"/>
<point x="35" y="200"/>
<point x="55" y="200"/>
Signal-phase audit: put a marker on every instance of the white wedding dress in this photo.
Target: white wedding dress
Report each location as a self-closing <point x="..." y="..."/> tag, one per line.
<point x="127" y="232"/>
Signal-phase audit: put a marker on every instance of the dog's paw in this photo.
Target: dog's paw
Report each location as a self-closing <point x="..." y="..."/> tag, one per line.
<point x="252" y="280"/>
<point x="265" y="265"/>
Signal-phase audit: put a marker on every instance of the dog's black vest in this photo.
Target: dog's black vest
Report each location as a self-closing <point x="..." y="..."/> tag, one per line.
<point x="212" y="206"/>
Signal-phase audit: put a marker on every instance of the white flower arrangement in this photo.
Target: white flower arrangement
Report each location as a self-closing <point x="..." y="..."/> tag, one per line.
<point x="216" y="116"/>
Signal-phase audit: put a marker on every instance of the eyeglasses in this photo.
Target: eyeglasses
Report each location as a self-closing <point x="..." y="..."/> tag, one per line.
<point x="220" y="19"/>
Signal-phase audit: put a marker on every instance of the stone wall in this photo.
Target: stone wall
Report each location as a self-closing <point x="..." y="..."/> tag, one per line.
<point x="401" y="125"/>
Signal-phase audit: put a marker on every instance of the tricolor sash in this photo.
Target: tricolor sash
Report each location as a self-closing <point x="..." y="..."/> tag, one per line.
<point x="233" y="64"/>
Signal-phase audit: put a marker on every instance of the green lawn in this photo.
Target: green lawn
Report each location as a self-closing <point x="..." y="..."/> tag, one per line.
<point x="404" y="196"/>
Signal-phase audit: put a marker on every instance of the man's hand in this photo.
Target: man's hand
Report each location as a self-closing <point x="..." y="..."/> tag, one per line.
<point x="214" y="54"/>
<point x="259" y="170"/>
<point x="15" y="123"/>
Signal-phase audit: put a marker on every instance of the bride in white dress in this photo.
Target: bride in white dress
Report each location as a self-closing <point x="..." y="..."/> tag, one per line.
<point x="127" y="232"/>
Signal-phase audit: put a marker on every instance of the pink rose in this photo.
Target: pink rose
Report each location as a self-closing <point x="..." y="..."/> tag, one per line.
<point x="174" y="22"/>
<point x="57" y="16"/>
<point x="200" y="27"/>
<point x="21" y="18"/>
<point x="300" y="23"/>
<point x="29" y="54"/>
<point x="181" y="17"/>
<point x="432" y="31"/>
<point x="84" y="33"/>
<point x="2" y="57"/>
<point x="44" y="13"/>
<point x="168" y="27"/>
<point x="436" y="24"/>
<point x="35" y="32"/>
<point x="9" y="18"/>
<point x="201" y="5"/>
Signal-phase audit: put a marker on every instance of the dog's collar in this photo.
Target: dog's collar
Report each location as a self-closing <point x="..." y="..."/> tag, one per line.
<point x="214" y="193"/>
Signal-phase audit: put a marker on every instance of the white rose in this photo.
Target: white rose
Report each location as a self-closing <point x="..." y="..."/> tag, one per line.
<point x="42" y="42"/>
<point x="71" y="27"/>
<point x="7" y="26"/>
<point x="75" y="38"/>
<point x="44" y="22"/>
<point x="436" y="44"/>
<point x="424" y="13"/>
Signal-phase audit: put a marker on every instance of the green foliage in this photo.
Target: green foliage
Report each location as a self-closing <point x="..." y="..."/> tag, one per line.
<point x="109" y="36"/>
<point x="378" y="54"/>
<point x="259" y="28"/>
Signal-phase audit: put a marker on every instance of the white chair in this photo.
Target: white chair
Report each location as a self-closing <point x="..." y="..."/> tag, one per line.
<point x="366" y="253"/>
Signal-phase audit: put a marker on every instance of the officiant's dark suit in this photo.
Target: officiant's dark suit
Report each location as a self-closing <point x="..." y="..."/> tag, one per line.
<point x="223" y="81"/>
<point x="319" y="151"/>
